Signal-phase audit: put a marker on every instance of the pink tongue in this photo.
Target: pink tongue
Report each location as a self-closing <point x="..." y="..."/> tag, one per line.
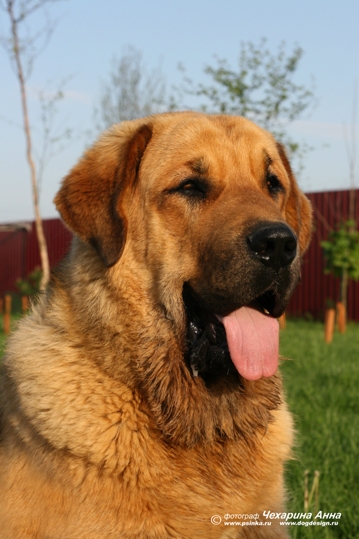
<point x="253" y="342"/>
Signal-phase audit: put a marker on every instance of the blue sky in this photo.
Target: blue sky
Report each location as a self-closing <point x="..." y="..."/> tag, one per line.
<point x="89" y="33"/>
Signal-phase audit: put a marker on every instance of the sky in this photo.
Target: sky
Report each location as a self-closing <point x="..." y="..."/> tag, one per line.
<point x="89" y="33"/>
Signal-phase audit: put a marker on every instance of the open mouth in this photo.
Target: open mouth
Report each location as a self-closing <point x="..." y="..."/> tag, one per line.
<point x="207" y="352"/>
<point x="245" y="342"/>
<point x="266" y="303"/>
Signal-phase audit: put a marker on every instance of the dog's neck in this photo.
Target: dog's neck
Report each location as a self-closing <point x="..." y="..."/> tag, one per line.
<point x="153" y="389"/>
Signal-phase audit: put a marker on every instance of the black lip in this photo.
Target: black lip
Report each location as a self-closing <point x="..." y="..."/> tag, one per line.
<point x="207" y="351"/>
<point x="271" y="303"/>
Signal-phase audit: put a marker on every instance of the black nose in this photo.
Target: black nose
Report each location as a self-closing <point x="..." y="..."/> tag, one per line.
<point x="274" y="244"/>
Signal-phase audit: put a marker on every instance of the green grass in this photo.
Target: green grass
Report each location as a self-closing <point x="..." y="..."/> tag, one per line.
<point x="14" y="319"/>
<point x="2" y="343"/>
<point x="322" y="387"/>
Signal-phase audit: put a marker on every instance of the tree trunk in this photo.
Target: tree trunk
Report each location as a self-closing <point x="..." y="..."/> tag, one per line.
<point x="342" y="310"/>
<point x="45" y="266"/>
<point x="343" y="288"/>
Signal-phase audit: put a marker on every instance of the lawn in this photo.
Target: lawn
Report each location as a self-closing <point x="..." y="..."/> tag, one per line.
<point x="2" y="343"/>
<point x="322" y="387"/>
<point x="14" y="319"/>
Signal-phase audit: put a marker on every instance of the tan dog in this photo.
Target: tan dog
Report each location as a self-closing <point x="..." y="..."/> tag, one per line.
<point x="140" y="397"/>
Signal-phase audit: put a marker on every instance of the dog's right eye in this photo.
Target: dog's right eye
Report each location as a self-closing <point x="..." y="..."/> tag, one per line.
<point x="193" y="187"/>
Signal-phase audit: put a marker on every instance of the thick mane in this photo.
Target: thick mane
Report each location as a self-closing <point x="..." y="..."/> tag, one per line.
<point x="188" y="412"/>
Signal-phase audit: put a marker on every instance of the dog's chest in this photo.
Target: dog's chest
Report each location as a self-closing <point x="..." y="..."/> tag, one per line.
<point x="183" y="494"/>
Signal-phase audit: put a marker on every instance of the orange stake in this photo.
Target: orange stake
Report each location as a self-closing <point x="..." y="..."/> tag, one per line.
<point x="282" y="321"/>
<point x="341" y="317"/>
<point x="329" y="324"/>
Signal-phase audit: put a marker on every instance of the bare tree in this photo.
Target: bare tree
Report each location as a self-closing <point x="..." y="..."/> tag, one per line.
<point x="130" y="92"/>
<point x="22" y="48"/>
<point x="56" y="136"/>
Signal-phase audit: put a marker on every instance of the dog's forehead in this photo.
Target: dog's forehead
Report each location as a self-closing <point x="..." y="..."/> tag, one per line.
<point x="211" y="145"/>
<point x="204" y="131"/>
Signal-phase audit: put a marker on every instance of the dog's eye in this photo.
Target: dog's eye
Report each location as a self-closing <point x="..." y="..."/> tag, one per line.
<point x="193" y="187"/>
<point x="273" y="184"/>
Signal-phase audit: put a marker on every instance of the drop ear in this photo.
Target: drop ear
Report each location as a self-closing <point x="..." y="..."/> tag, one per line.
<point x="298" y="209"/>
<point x="91" y="197"/>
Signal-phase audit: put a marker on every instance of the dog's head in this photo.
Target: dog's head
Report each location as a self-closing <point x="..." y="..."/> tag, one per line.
<point x="210" y="207"/>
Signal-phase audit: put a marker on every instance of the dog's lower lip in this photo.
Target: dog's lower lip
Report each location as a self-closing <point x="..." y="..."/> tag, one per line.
<point x="256" y="304"/>
<point x="266" y="303"/>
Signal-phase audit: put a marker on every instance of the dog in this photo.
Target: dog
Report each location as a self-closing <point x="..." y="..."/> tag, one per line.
<point x="141" y="398"/>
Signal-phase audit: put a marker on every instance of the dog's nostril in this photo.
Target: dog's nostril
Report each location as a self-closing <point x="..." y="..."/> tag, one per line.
<point x="291" y="245"/>
<point x="274" y="244"/>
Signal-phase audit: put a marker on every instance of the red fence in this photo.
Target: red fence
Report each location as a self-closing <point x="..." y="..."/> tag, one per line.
<point x="19" y="252"/>
<point x="316" y="288"/>
<point x="19" y="256"/>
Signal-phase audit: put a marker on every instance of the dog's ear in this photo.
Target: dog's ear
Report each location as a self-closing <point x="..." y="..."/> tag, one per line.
<point x="298" y="208"/>
<point x="90" y="200"/>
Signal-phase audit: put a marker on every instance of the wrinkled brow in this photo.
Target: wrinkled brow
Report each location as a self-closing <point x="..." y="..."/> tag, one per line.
<point x="199" y="166"/>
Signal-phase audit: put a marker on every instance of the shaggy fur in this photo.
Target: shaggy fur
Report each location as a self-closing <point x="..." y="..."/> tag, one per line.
<point x="106" y="432"/>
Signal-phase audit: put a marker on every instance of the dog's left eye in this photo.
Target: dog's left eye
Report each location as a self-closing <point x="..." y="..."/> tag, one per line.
<point x="193" y="187"/>
<point x="273" y="184"/>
